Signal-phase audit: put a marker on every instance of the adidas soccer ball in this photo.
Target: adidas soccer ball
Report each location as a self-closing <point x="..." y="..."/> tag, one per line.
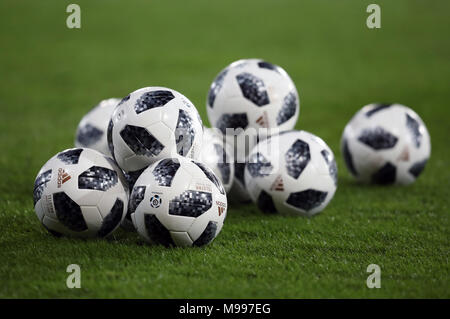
<point x="253" y="93"/>
<point x="153" y="123"/>
<point x="292" y="173"/>
<point x="252" y="98"/>
<point x="386" y="144"/>
<point x="177" y="201"/>
<point x="217" y="155"/>
<point x="93" y="127"/>
<point x="80" y="192"/>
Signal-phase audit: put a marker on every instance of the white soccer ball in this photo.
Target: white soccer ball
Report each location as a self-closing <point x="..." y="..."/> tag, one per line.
<point x="386" y="144"/>
<point x="93" y="127"/>
<point x="292" y="173"/>
<point x="80" y="192"/>
<point x="177" y="201"/>
<point x="153" y="123"/>
<point x="217" y="155"/>
<point x="253" y="98"/>
<point x="253" y="93"/>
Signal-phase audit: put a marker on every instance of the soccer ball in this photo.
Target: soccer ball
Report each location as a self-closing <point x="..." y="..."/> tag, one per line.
<point x="80" y="192"/>
<point x="292" y="173"/>
<point x="93" y="127"/>
<point x="253" y="98"/>
<point x="178" y="201"/>
<point x="253" y="93"/>
<point x="216" y="154"/>
<point x="386" y="144"/>
<point x="153" y="123"/>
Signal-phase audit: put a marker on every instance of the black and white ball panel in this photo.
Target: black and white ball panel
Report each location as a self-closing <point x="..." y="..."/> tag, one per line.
<point x="152" y="99"/>
<point x="70" y="156"/>
<point x="88" y="135"/>
<point x="307" y="200"/>
<point x="165" y="171"/>
<point x="297" y="158"/>
<point x="141" y="141"/>
<point x="190" y="203"/>
<point x="378" y="138"/>
<point x="113" y="219"/>
<point x="234" y="121"/>
<point x="253" y="88"/>
<point x="97" y="178"/>
<point x="216" y="86"/>
<point x="40" y="183"/>
<point x="184" y="133"/>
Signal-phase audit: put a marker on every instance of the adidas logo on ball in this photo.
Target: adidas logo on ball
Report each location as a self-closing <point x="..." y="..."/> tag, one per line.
<point x="62" y="177"/>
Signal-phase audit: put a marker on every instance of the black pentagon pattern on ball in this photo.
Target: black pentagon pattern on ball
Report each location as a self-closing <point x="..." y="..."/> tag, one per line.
<point x="268" y="65"/>
<point x="113" y="219"/>
<point x="307" y="199"/>
<point x="297" y="157"/>
<point x="417" y="168"/>
<point x="253" y="88"/>
<point x="184" y="133"/>
<point x="258" y="165"/>
<point x="239" y="169"/>
<point x="165" y="171"/>
<point x="210" y="175"/>
<point x="126" y="98"/>
<point x="348" y="158"/>
<point x="234" y="121"/>
<point x="332" y="167"/>
<point x="69" y="212"/>
<point x="97" y="178"/>
<point x="140" y="141"/>
<point x="215" y="87"/>
<point x="207" y="236"/>
<point x="157" y="232"/>
<point x="40" y="183"/>
<point x="385" y="175"/>
<point x="89" y="135"/>
<point x="265" y="203"/>
<point x="70" y="156"/>
<point x="288" y="109"/>
<point x="223" y="163"/>
<point x="109" y="138"/>
<point x="378" y="138"/>
<point x="378" y="107"/>
<point x="190" y="203"/>
<point x="152" y="99"/>
<point x="137" y="196"/>
<point x="414" y="128"/>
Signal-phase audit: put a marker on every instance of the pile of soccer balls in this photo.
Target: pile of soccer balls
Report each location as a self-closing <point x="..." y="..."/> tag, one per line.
<point x="147" y="163"/>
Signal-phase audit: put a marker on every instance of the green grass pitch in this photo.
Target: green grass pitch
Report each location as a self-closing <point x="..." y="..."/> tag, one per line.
<point x="51" y="75"/>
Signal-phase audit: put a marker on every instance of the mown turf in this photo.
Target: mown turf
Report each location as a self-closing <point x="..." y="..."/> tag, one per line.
<point x="50" y="76"/>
